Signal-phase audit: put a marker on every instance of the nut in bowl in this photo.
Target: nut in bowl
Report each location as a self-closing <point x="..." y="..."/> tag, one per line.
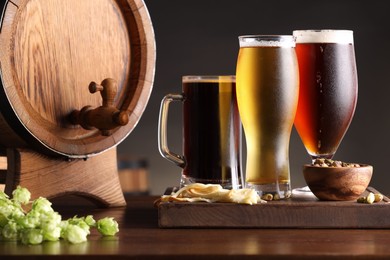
<point x="335" y="180"/>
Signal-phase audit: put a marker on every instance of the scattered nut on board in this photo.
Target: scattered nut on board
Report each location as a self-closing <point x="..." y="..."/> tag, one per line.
<point x="378" y="197"/>
<point x="322" y="162"/>
<point x="370" y="198"/>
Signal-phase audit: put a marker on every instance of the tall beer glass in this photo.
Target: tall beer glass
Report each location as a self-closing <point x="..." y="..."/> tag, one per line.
<point x="267" y="95"/>
<point x="328" y="89"/>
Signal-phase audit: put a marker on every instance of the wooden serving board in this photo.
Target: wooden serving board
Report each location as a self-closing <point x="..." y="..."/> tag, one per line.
<point x="303" y="210"/>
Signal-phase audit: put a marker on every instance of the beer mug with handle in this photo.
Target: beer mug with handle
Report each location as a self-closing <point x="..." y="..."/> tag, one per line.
<point x="211" y="131"/>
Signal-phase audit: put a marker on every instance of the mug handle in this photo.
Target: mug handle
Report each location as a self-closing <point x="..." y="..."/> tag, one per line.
<point x="162" y="130"/>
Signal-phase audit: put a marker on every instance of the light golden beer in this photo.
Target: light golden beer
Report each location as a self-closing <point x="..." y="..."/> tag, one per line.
<point x="267" y="95"/>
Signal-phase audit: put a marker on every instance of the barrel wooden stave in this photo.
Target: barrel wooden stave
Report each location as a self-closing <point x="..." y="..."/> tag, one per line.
<point x="42" y="84"/>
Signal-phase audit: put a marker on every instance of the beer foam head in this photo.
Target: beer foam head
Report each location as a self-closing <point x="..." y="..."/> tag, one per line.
<point x="208" y="78"/>
<point x="266" y="41"/>
<point x="323" y="36"/>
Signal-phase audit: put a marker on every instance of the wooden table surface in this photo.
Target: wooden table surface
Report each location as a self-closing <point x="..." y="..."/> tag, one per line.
<point x="141" y="238"/>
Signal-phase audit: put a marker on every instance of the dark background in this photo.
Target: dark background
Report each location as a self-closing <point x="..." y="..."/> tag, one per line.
<point x="200" y="37"/>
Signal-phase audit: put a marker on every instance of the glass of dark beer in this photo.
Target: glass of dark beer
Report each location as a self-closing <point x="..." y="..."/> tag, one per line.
<point x="267" y="94"/>
<point x="328" y="89"/>
<point x="211" y="131"/>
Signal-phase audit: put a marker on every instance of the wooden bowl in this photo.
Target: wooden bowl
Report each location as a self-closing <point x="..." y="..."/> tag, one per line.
<point x="337" y="183"/>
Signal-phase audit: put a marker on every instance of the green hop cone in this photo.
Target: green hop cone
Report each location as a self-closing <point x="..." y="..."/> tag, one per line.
<point x="81" y="223"/>
<point x="42" y="205"/>
<point x="30" y="220"/>
<point x="90" y="221"/>
<point x="107" y="226"/>
<point x="50" y="225"/>
<point x="52" y="234"/>
<point x="3" y="220"/>
<point x="10" y="231"/>
<point x="6" y="207"/>
<point x="32" y="236"/>
<point x="42" y="223"/>
<point x="21" y="195"/>
<point x="75" y="234"/>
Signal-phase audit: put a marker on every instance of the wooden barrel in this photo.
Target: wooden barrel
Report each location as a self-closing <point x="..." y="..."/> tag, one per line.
<point x="50" y="52"/>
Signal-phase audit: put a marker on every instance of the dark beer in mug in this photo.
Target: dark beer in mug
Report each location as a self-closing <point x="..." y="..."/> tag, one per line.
<point x="328" y="89"/>
<point x="211" y="130"/>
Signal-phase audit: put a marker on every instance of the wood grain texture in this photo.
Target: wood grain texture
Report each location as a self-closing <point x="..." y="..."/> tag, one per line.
<point x="6" y="130"/>
<point x="302" y="211"/>
<point x="337" y="183"/>
<point x="95" y="178"/>
<point x="51" y="51"/>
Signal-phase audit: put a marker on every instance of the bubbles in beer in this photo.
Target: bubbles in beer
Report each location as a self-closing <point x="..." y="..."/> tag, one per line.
<point x="327" y="95"/>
